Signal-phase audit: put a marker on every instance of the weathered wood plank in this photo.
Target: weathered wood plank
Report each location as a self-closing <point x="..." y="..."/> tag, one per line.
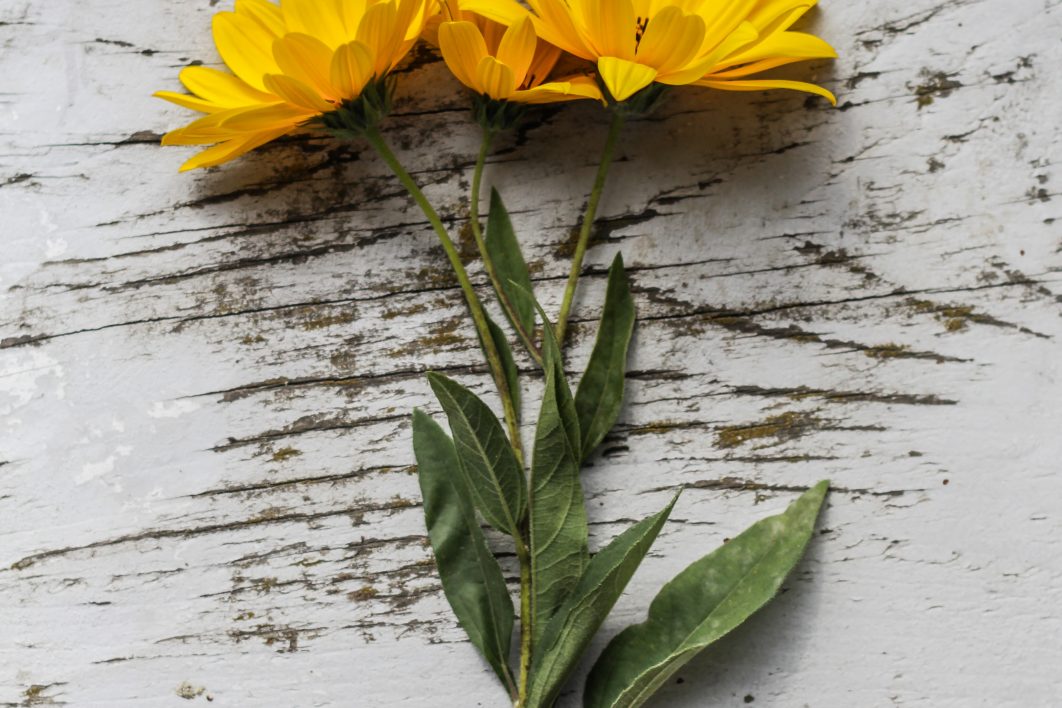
<point x="205" y="469"/>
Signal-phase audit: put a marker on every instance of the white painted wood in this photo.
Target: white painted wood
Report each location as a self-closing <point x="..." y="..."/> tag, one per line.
<point x="205" y="490"/>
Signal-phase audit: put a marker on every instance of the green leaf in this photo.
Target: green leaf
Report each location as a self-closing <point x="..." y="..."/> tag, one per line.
<point x="553" y="360"/>
<point x="486" y="460"/>
<point x="558" y="515"/>
<point x="704" y="602"/>
<point x="471" y="577"/>
<point x="504" y="251"/>
<point x="571" y="629"/>
<point x="512" y="374"/>
<point x="600" y="394"/>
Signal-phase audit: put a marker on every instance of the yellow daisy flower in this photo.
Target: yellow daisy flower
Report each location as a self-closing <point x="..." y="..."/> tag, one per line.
<point x="290" y="64"/>
<point x="508" y="64"/>
<point x="713" y="43"/>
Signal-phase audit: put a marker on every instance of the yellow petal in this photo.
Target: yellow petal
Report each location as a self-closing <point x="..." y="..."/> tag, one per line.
<point x="266" y="118"/>
<point x="672" y="40"/>
<point x="505" y="12"/>
<point x="351" y="12"/>
<point x="462" y="47"/>
<point x="546" y="57"/>
<point x="495" y="79"/>
<point x="782" y="44"/>
<point x="722" y="18"/>
<point x="778" y="15"/>
<point x="318" y="18"/>
<point x="185" y="101"/>
<point x="351" y="69"/>
<point x="376" y="31"/>
<point x="556" y="91"/>
<point x="753" y="68"/>
<point x="553" y="22"/>
<point x="743" y="36"/>
<point x="231" y="149"/>
<point x="245" y="46"/>
<point x="408" y="24"/>
<point x="610" y="25"/>
<point x="307" y="59"/>
<point x="264" y="13"/>
<point x="557" y="27"/>
<point x="767" y="84"/>
<point x="297" y="93"/>
<point x="220" y="87"/>
<point x="205" y="130"/>
<point x="624" y="78"/>
<point x="517" y="48"/>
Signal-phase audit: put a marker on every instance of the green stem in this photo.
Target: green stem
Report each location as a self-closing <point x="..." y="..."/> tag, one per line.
<point x="588" y="224"/>
<point x="525" y="621"/>
<point x="488" y="262"/>
<point x="521" y="547"/>
<point x="479" y="317"/>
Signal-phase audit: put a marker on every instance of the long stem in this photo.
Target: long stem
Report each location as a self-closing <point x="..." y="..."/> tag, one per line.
<point x="521" y="547"/>
<point x="588" y="224"/>
<point x="525" y="621"/>
<point x="488" y="262"/>
<point x="479" y="317"/>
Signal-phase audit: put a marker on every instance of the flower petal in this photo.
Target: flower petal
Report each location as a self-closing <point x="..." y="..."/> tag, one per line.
<point x="495" y="79"/>
<point x="797" y="45"/>
<point x="231" y="149"/>
<point x="546" y="57"/>
<point x="624" y="78"/>
<point x="271" y="117"/>
<point x="307" y="59"/>
<point x="610" y="25"/>
<point x="743" y="36"/>
<point x="556" y="91"/>
<point x="767" y="84"/>
<point x="557" y="27"/>
<point x="517" y="48"/>
<point x="318" y="18"/>
<point x="351" y="69"/>
<point x="245" y="47"/>
<point x="221" y="87"/>
<point x="264" y="13"/>
<point x="778" y="15"/>
<point x="185" y="101"/>
<point x="462" y="47"/>
<point x="722" y="18"/>
<point x="672" y="40"/>
<point x="297" y="93"/>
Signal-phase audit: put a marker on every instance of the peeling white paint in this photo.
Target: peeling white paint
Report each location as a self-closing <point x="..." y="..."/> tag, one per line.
<point x="224" y="361"/>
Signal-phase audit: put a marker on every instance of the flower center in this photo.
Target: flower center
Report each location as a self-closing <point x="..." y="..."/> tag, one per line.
<point x="640" y="25"/>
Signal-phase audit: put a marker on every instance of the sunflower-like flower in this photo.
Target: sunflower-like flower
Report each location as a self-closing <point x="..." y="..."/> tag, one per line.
<point x="291" y="64"/>
<point x="713" y="43"/>
<point x="508" y="64"/>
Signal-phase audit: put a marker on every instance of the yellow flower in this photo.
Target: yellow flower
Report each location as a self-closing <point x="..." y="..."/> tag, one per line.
<point x="289" y="64"/>
<point x="508" y="64"/>
<point x="713" y="43"/>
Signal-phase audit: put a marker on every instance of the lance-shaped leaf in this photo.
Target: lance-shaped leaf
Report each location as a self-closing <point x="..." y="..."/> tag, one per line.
<point x="512" y="374"/>
<point x="558" y="515"/>
<point x="704" y="602"/>
<point x="485" y="458"/>
<point x="471" y="577"/>
<point x="600" y="393"/>
<point x="571" y="629"/>
<point x="504" y="252"/>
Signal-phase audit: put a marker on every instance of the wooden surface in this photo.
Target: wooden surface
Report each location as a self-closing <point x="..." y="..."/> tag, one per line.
<point x="205" y="380"/>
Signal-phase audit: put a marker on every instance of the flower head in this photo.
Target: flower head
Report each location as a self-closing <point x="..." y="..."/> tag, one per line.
<point x="288" y="65"/>
<point x="508" y="64"/>
<point x="635" y="43"/>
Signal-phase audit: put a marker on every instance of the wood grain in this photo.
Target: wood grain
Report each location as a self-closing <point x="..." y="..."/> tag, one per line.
<point x="206" y="491"/>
